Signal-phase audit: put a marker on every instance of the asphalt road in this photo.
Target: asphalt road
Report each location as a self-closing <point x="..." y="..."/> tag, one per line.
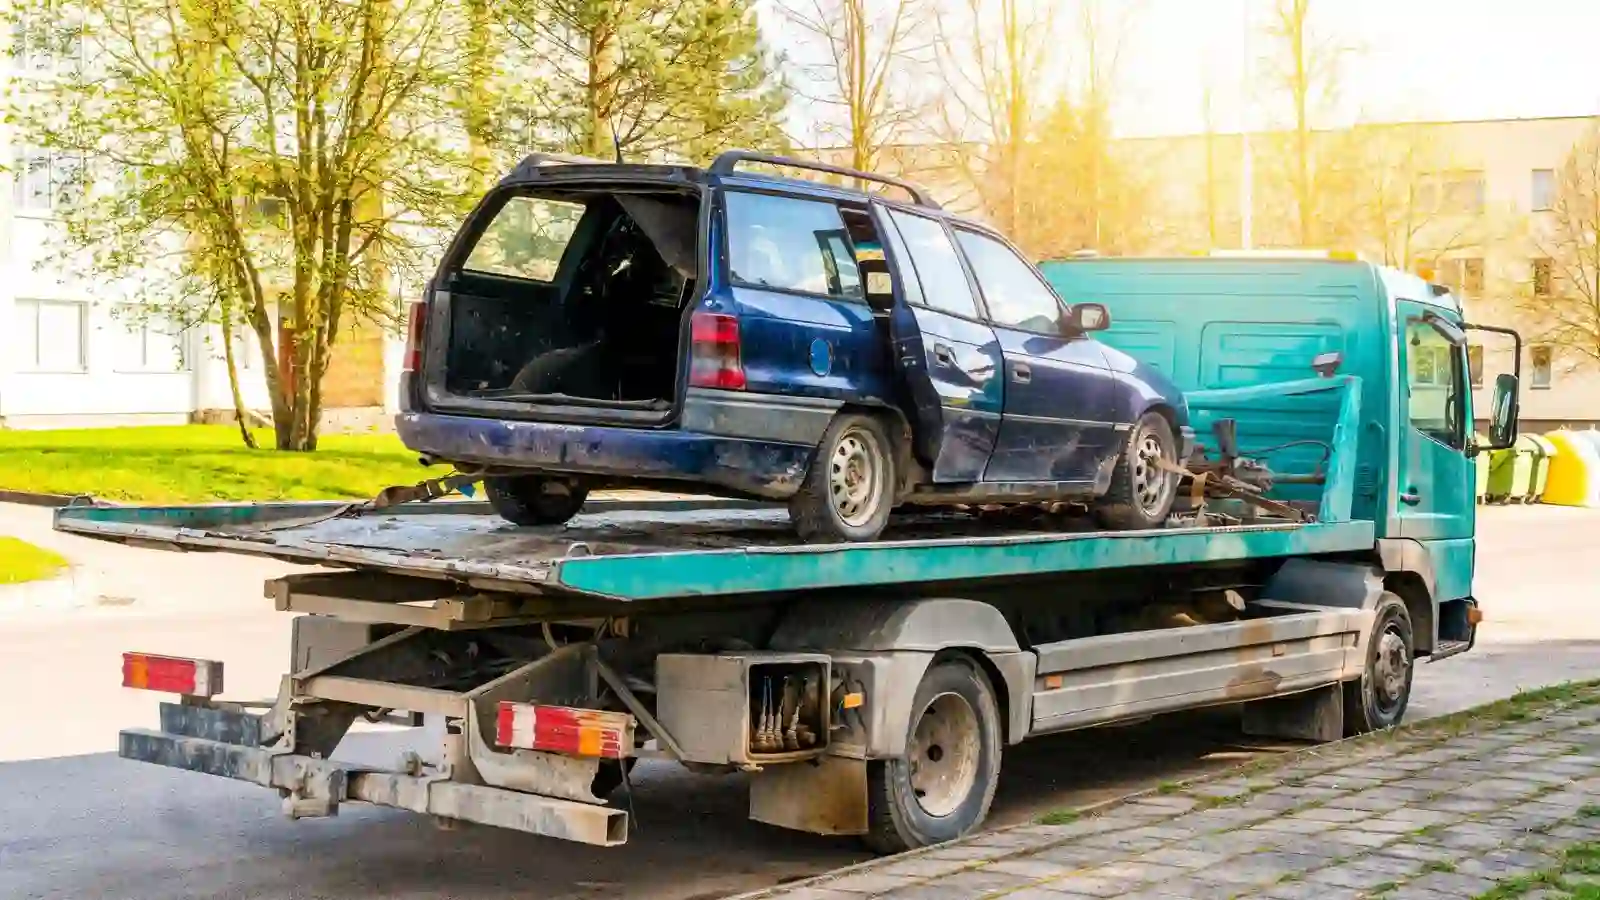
<point x="75" y="822"/>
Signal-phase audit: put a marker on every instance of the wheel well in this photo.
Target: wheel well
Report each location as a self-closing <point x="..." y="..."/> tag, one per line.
<point x="1410" y="587"/>
<point x="899" y="428"/>
<point x="1168" y="413"/>
<point x="997" y="682"/>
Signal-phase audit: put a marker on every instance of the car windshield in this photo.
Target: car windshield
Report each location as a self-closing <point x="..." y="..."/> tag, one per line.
<point x="526" y="239"/>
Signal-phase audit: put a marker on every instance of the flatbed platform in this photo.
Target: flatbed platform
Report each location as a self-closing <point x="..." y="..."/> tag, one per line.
<point x="635" y="551"/>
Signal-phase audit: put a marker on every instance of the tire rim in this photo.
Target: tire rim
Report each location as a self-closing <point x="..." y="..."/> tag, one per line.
<point x="1389" y="669"/>
<point x="855" y="477"/>
<point x="944" y="755"/>
<point x="1150" y="482"/>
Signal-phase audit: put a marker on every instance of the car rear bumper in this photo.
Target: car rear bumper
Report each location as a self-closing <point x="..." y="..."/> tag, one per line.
<point x="761" y="468"/>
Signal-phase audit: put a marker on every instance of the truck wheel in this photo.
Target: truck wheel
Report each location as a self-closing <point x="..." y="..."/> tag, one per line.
<point x="941" y="789"/>
<point x="609" y="776"/>
<point x="849" y="488"/>
<point x="534" y="500"/>
<point x="1142" y="492"/>
<point x="1378" y="698"/>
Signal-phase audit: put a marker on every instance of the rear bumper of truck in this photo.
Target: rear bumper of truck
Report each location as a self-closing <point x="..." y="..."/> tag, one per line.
<point x="316" y="787"/>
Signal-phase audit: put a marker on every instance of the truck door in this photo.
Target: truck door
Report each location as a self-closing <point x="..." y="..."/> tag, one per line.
<point x="948" y="357"/>
<point x="1434" y="496"/>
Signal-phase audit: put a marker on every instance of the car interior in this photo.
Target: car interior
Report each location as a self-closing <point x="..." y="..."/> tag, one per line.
<point x="575" y="298"/>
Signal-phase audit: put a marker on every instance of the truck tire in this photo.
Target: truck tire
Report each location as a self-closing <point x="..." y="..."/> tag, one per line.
<point x="534" y="500"/>
<point x="849" y="488"/>
<point x="1378" y="699"/>
<point x="941" y="789"/>
<point x="1141" y="493"/>
<point x="610" y="776"/>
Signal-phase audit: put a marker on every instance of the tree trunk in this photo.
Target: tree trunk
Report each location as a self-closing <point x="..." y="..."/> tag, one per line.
<point x="241" y="415"/>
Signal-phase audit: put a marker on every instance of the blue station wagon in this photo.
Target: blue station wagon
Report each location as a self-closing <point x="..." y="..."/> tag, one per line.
<point x="730" y="331"/>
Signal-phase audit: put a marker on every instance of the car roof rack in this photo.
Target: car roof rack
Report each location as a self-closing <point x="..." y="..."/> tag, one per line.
<point x="727" y="163"/>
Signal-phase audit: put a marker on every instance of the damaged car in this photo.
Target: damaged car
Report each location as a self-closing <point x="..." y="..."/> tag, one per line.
<point x="743" y="331"/>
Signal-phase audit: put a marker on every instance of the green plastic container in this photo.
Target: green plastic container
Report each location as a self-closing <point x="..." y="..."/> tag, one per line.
<point x="1542" y="450"/>
<point x="1481" y="461"/>
<point x="1502" y="486"/>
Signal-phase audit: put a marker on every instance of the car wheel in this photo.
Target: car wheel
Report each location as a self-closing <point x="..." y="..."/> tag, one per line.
<point x="849" y="488"/>
<point x="941" y="789"/>
<point x="1142" y="491"/>
<point x="1378" y="699"/>
<point x="534" y="500"/>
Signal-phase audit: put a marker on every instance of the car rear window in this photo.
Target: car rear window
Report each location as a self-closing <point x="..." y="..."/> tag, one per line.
<point x="791" y="244"/>
<point x="526" y="239"/>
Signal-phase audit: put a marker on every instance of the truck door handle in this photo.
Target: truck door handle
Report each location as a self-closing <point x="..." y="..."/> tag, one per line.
<point x="1411" y="497"/>
<point x="944" y="355"/>
<point x="1020" y="373"/>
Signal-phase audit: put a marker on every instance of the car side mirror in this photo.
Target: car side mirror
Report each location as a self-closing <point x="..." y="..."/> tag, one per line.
<point x="1086" y="317"/>
<point x="1503" y="414"/>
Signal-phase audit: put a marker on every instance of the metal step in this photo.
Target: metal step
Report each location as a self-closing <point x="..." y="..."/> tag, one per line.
<point x="1447" y="649"/>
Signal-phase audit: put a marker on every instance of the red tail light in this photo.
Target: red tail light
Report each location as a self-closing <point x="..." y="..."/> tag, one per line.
<point x="414" y="332"/>
<point x="562" y="729"/>
<point x="714" y="352"/>
<point x="172" y="674"/>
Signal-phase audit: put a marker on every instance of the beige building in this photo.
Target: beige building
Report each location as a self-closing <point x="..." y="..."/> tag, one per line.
<point x="1468" y="203"/>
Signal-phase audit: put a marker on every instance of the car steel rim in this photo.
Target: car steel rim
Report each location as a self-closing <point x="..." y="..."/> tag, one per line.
<point x="855" y="477"/>
<point x="1390" y="668"/>
<point x="1150" y="480"/>
<point x="944" y="755"/>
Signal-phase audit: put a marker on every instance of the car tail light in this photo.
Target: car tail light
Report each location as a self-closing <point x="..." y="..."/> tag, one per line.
<point x="414" y="332"/>
<point x="172" y="674"/>
<point x="561" y="729"/>
<point x="715" y="359"/>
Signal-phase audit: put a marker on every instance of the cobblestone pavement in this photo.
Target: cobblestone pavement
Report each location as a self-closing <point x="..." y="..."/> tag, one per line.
<point x="1500" y="802"/>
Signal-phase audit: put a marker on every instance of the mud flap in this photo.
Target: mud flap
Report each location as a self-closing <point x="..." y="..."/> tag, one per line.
<point x="827" y="795"/>
<point x="1316" y="715"/>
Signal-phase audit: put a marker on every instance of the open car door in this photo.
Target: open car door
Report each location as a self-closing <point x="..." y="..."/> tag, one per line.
<point x="948" y="358"/>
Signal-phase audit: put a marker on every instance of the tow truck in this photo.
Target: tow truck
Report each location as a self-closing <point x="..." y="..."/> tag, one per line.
<point x="1323" y="544"/>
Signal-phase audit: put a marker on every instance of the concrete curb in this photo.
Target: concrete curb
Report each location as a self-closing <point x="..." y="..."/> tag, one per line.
<point x="1280" y="760"/>
<point x="32" y="498"/>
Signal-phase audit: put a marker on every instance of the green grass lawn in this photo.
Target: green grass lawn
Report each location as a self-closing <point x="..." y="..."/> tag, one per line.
<point x="21" y="561"/>
<point x="200" y="464"/>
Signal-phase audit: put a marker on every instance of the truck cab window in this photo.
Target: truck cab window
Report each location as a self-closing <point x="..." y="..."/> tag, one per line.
<point x="1434" y="385"/>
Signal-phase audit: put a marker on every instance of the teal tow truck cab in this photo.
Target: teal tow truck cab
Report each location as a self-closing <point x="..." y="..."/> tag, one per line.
<point x="1322" y="546"/>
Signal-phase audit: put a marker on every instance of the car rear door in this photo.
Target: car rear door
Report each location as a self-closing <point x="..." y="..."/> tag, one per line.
<point x="947" y="356"/>
<point x="1058" y="386"/>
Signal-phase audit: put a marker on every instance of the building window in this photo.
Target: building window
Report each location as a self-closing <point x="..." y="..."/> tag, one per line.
<point x="45" y="43"/>
<point x="43" y="181"/>
<point x="1475" y="364"/>
<point x="1541" y="277"/>
<point x="50" y="335"/>
<point x="1461" y="192"/>
<point x="148" y="344"/>
<point x="1544" y="189"/>
<point x="1462" y="275"/>
<point x="1540" y="356"/>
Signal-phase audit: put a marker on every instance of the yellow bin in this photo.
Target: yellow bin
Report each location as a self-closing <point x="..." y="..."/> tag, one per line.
<point x="1574" y="471"/>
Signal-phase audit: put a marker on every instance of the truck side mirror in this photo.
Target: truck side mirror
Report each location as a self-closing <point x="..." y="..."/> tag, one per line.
<point x="1503" y="414"/>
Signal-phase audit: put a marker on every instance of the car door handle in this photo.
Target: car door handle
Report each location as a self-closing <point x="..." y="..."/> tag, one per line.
<point x="944" y="355"/>
<point x="1411" y="497"/>
<point x="1020" y="373"/>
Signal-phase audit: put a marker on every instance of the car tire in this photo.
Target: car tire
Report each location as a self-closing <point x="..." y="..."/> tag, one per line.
<point x="534" y="500"/>
<point x="1378" y="699"/>
<point x="1141" y="494"/>
<point x="937" y="793"/>
<point x="849" y="489"/>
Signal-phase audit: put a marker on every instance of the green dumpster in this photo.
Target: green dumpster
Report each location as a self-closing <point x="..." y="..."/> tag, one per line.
<point x="1541" y="450"/>
<point x="1502" y="476"/>
<point x="1482" y="463"/>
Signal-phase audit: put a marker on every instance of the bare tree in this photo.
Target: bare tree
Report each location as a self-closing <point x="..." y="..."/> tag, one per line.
<point x="863" y="59"/>
<point x="1561" y="300"/>
<point x="1305" y="67"/>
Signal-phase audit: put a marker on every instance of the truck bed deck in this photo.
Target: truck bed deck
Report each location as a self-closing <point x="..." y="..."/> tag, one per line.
<point x="634" y="551"/>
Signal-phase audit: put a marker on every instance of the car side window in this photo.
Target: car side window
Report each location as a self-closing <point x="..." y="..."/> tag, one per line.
<point x="944" y="282"/>
<point x="1012" y="290"/>
<point x="1433" y="384"/>
<point x="790" y="244"/>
